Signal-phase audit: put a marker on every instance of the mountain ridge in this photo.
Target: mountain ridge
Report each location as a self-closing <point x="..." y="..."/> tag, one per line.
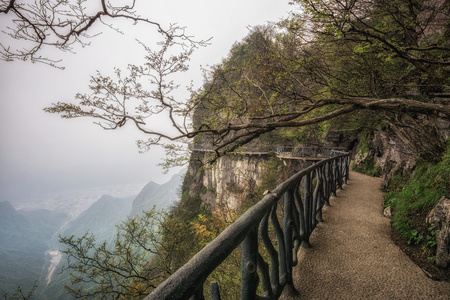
<point x="159" y="195"/>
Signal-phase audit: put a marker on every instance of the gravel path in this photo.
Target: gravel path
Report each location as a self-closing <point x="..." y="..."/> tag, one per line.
<point x="353" y="256"/>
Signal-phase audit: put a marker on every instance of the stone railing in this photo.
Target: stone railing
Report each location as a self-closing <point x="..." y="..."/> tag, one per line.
<point x="298" y="203"/>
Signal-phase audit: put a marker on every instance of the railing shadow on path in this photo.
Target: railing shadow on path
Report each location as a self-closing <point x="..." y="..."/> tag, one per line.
<point x="298" y="203"/>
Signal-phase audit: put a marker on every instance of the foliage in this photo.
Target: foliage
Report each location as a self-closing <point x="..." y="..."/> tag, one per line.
<point x="270" y="176"/>
<point x="147" y="249"/>
<point x="334" y="60"/>
<point x="396" y="182"/>
<point x="412" y="203"/>
<point x="130" y="267"/>
<point x="368" y="167"/>
<point x="365" y="161"/>
<point x="20" y="294"/>
<point x="206" y="228"/>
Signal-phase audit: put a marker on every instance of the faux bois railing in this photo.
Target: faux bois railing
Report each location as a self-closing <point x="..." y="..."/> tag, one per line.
<point x="298" y="203"/>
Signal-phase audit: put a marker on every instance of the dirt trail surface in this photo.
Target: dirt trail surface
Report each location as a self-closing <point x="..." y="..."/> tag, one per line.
<point x="353" y="256"/>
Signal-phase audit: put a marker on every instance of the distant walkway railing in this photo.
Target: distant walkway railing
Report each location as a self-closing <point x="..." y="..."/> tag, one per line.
<point x="281" y="151"/>
<point x="304" y="196"/>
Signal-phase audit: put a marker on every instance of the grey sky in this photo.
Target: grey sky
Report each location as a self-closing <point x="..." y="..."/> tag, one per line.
<point x="40" y="152"/>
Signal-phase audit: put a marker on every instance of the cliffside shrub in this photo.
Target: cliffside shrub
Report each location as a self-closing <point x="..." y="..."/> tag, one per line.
<point x="365" y="163"/>
<point x="270" y="176"/>
<point x="412" y="203"/>
<point x="269" y="180"/>
<point x="368" y="167"/>
<point x="133" y="263"/>
<point x="363" y="148"/>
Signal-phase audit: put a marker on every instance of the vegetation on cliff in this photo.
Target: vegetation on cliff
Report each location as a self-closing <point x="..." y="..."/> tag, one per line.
<point x="354" y="66"/>
<point x="413" y="197"/>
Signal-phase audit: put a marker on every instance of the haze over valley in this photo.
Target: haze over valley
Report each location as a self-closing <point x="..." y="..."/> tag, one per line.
<point x="29" y="230"/>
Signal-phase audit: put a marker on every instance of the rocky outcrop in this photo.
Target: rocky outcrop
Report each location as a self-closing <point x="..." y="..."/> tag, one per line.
<point x="392" y="153"/>
<point x="336" y="138"/>
<point x="439" y="217"/>
<point x="396" y="147"/>
<point x="387" y="212"/>
<point x="232" y="178"/>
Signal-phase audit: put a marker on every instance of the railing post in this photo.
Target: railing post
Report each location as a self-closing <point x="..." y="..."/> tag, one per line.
<point x="198" y="295"/>
<point x="326" y="175"/>
<point x="249" y="261"/>
<point x="301" y="209"/>
<point x="315" y="200"/>
<point x="340" y="171"/>
<point x="307" y="210"/>
<point x="333" y="167"/>
<point x="281" y="248"/>
<point x="270" y="284"/>
<point x="288" y="231"/>
<point x="347" y="168"/>
<point x="320" y="195"/>
<point x="214" y="290"/>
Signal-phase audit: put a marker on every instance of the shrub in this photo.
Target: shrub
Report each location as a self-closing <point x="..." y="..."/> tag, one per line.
<point x="412" y="203"/>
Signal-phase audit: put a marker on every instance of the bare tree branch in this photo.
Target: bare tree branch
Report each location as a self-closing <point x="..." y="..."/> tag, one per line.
<point x="62" y="24"/>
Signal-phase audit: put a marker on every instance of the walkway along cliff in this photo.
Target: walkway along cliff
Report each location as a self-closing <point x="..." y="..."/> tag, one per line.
<point x="298" y="203"/>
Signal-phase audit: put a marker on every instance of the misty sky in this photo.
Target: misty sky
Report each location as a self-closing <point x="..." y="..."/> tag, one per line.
<point x="40" y="152"/>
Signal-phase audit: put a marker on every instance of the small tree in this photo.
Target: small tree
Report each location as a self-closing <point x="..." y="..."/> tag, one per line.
<point x="20" y="294"/>
<point x="143" y="253"/>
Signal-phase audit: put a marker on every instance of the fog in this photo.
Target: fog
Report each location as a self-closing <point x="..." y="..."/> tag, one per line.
<point x="42" y="153"/>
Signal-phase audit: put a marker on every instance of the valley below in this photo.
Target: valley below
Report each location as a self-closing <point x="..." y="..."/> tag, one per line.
<point x="30" y="252"/>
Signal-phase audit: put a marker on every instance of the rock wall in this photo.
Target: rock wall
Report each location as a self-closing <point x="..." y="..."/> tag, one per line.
<point x="439" y="217"/>
<point x="396" y="147"/>
<point x="233" y="178"/>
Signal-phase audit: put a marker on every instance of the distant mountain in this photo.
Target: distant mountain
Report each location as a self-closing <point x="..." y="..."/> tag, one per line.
<point x="162" y="196"/>
<point x="25" y="235"/>
<point x="48" y="221"/>
<point x="100" y="218"/>
<point x="22" y="249"/>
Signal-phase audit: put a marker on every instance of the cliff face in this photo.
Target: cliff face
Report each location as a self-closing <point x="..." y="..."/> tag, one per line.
<point x="232" y="179"/>
<point x="395" y="149"/>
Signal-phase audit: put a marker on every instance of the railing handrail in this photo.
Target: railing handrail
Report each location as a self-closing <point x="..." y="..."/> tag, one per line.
<point x="190" y="277"/>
